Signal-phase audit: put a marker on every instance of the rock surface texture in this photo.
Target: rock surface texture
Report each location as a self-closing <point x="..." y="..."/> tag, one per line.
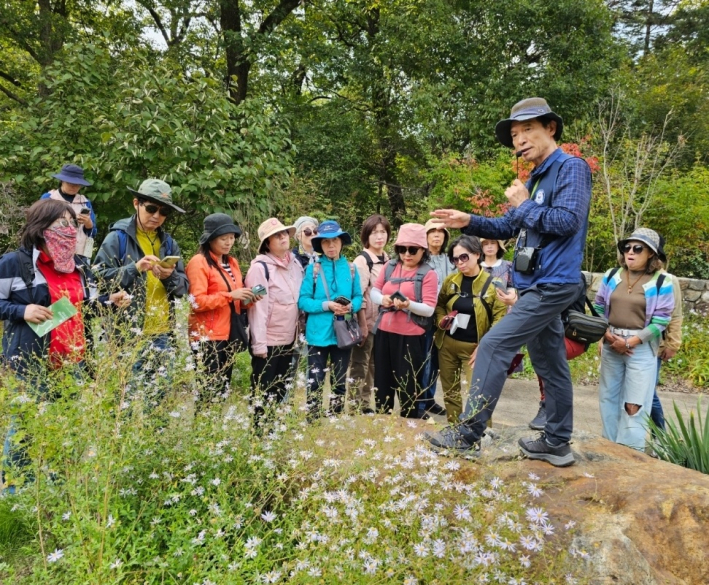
<point x="642" y="521"/>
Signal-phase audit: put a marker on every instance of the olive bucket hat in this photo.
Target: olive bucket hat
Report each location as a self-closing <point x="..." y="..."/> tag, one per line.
<point x="218" y="224"/>
<point x="156" y="191"/>
<point x="527" y="109"/>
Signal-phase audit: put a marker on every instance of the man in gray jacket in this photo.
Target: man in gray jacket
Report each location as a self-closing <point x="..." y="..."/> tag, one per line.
<point x="138" y="256"/>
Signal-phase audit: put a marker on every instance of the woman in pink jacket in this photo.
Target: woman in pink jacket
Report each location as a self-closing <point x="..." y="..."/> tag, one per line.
<point x="273" y="323"/>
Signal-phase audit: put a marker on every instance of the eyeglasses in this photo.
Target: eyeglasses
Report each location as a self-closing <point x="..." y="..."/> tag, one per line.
<point x="412" y="250"/>
<point x="637" y="248"/>
<point x="62" y="222"/>
<point x="461" y="258"/>
<point x="307" y="232"/>
<point x="153" y="209"/>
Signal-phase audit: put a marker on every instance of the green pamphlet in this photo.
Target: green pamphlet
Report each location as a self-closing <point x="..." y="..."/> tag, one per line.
<point x="62" y="311"/>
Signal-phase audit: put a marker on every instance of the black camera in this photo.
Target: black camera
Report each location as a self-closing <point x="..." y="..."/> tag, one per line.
<point x="526" y="260"/>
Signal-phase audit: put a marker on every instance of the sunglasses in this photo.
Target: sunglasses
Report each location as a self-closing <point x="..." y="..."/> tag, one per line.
<point x="307" y="232"/>
<point x="153" y="209"/>
<point x="412" y="250"/>
<point x="637" y="248"/>
<point x="461" y="258"/>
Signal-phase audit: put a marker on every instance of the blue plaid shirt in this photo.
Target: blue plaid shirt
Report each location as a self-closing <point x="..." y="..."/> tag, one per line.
<point x="567" y="219"/>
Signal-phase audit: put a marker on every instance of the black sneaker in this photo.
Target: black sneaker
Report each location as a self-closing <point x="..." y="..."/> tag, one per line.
<point x="337" y="405"/>
<point x="539" y="422"/>
<point x="436" y="408"/>
<point x="538" y="448"/>
<point x="455" y="438"/>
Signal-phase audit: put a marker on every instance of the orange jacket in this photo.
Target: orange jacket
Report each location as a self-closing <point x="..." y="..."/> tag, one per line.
<point x="210" y="317"/>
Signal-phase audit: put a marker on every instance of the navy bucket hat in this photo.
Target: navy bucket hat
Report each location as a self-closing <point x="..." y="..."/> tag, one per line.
<point x="72" y="174"/>
<point x="327" y="230"/>
<point x="527" y="109"/>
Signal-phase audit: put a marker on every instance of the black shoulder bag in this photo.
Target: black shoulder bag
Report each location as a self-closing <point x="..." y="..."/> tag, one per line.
<point x="237" y="329"/>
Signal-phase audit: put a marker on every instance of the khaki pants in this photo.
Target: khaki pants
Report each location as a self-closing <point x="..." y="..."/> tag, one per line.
<point x="453" y="356"/>
<point x="361" y="375"/>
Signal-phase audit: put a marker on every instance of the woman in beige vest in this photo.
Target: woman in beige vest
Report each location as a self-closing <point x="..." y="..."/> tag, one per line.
<point x="72" y="179"/>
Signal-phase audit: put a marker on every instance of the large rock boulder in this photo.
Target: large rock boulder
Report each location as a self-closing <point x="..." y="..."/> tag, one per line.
<point x="641" y="521"/>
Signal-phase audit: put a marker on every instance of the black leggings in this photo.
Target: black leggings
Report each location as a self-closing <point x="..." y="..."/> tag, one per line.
<point x="398" y="366"/>
<point x="270" y="377"/>
<point x="218" y="362"/>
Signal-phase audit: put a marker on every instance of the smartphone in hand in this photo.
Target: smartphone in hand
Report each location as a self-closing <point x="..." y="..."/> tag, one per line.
<point x="169" y="261"/>
<point x="259" y="290"/>
<point x="342" y="300"/>
<point x="397" y="296"/>
<point x="85" y="211"/>
<point x="499" y="285"/>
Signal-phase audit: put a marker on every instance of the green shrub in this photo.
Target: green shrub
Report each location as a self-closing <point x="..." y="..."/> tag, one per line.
<point x="684" y="443"/>
<point x="692" y="360"/>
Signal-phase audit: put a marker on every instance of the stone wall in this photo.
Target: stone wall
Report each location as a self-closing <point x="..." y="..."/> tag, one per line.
<point x="695" y="293"/>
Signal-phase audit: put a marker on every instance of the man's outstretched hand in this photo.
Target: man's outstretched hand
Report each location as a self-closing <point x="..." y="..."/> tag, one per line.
<point x="451" y="218"/>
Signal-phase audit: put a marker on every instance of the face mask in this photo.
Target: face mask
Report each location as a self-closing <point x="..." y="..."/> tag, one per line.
<point x="61" y="245"/>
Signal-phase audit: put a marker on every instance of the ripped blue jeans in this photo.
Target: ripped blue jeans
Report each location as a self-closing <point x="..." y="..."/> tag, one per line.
<point x="627" y="380"/>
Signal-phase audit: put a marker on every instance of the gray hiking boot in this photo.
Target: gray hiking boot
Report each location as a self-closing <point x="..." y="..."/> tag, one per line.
<point x="539" y="448"/>
<point x="539" y="422"/>
<point x="455" y="439"/>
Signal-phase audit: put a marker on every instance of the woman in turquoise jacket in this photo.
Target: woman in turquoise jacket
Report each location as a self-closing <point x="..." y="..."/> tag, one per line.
<point x="326" y="280"/>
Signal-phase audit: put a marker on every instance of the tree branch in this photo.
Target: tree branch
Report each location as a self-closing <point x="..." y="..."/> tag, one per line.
<point x="12" y="95"/>
<point x="279" y="14"/>
<point x="158" y="21"/>
<point x="10" y="78"/>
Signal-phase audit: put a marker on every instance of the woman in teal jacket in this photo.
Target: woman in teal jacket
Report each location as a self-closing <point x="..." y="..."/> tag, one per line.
<point x="326" y="280"/>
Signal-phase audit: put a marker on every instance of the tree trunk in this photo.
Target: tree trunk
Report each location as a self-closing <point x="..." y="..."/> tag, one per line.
<point x="387" y="139"/>
<point x="52" y="34"/>
<point x="237" y="65"/>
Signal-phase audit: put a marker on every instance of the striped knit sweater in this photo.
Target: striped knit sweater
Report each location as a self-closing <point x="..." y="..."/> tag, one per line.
<point x="658" y="304"/>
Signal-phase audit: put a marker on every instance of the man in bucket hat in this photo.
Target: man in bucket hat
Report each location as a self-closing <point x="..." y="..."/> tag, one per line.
<point x="72" y="179"/>
<point x="133" y="258"/>
<point x="549" y="217"/>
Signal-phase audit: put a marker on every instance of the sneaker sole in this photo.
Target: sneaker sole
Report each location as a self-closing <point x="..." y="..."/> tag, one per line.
<point x="555" y="460"/>
<point x="537" y="427"/>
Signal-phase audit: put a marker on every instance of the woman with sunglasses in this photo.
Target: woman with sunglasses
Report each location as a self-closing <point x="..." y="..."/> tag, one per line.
<point x="637" y="299"/>
<point x="219" y="298"/>
<point x="306" y="228"/>
<point x="143" y="259"/>
<point x="406" y="290"/>
<point x="467" y="308"/>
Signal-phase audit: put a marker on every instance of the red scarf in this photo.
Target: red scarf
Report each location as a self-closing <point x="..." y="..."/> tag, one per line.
<point x="67" y="342"/>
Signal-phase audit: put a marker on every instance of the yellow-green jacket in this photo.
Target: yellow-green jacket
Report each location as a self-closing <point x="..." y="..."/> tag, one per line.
<point x="450" y="291"/>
